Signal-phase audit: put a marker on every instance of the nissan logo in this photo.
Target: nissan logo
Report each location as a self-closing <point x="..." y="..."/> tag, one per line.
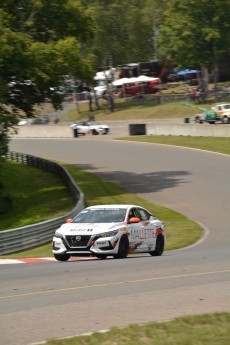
<point x="78" y="238"/>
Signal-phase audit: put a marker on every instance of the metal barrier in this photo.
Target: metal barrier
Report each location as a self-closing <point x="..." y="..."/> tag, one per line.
<point x="29" y="236"/>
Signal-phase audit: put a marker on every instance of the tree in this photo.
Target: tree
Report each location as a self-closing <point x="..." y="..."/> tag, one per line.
<point x="41" y="42"/>
<point x="123" y="32"/>
<point x="195" y="33"/>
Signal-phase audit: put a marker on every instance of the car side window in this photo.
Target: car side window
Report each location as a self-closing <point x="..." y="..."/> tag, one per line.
<point x="143" y="214"/>
<point x="132" y="213"/>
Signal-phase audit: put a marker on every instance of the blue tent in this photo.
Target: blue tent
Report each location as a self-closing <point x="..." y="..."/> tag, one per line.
<point x="187" y="71"/>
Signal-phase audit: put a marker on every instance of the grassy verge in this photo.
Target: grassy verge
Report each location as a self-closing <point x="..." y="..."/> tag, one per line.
<point x="37" y="195"/>
<point x="130" y="110"/>
<point x="203" y="329"/>
<point x="215" y="144"/>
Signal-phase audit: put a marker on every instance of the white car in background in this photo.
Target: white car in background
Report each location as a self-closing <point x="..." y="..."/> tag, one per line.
<point x="90" y="127"/>
<point x="110" y="230"/>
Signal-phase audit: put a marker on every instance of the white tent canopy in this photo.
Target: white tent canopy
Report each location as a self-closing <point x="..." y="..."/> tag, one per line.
<point x="145" y="78"/>
<point x="122" y="81"/>
<point x="140" y="79"/>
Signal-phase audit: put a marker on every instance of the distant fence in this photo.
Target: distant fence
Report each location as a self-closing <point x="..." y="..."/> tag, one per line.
<point x="18" y="239"/>
<point x="209" y="97"/>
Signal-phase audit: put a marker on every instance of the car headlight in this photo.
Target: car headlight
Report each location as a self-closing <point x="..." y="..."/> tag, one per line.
<point x="108" y="234"/>
<point x="58" y="234"/>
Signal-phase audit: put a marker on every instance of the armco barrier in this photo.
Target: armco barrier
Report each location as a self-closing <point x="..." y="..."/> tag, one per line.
<point x="18" y="239"/>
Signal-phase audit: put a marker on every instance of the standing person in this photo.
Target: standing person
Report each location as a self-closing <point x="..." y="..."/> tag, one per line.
<point x="193" y="94"/>
<point x="198" y="95"/>
<point x="159" y="96"/>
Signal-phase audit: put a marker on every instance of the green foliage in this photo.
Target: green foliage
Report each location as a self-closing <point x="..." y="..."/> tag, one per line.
<point x="41" y="41"/>
<point x="123" y="32"/>
<point x="195" y="33"/>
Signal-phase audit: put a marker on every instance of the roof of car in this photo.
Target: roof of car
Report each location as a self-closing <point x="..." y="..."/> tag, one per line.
<point x="112" y="206"/>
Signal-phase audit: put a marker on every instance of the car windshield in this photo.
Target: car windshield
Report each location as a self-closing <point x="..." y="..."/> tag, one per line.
<point x="101" y="215"/>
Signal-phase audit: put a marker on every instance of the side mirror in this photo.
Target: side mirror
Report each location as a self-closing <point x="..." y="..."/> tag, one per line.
<point x="134" y="220"/>
<point x="69" y="220"/>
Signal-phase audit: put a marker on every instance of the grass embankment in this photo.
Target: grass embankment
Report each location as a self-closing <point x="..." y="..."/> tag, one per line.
<point x="36" y="195"/>
<point x="130" y="110"/>
<point x="203" y="330"/>
<point x="214" y="144"/>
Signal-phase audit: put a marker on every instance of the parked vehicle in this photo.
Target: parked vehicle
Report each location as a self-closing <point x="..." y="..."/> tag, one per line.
<point x="208" y="115"/>
<point x="223" y="111"/>
<point x="110" y="230"/>
<point x="217" y="113"/>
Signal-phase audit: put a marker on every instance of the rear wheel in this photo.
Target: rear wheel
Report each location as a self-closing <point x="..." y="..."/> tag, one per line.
<point x="159" y="249"/>
<point x="123" y="248"/>
<point x="225" y="119"/>
<point x="62" y="257"/>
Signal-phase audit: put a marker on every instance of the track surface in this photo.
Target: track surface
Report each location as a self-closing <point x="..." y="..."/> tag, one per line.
<point x="44" y="300"/>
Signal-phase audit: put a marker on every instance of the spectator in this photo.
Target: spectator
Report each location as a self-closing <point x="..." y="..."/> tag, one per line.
<point x="159" y="96"/>
<point x="193" y="94"/>
<point x="56" y="119"/>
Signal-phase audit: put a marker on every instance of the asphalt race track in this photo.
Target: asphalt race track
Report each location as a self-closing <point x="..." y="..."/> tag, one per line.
<point x="59" y="299"/>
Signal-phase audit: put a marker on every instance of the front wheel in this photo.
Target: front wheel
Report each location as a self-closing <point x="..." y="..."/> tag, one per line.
<point x="123" y="248"/>
<point x="159" y="249"/>
<point x="62" y="257"/>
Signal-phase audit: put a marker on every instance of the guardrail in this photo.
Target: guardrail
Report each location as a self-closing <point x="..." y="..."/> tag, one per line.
<point x="29" y="236"/>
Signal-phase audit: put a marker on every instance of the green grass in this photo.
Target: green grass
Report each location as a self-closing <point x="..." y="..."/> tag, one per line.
<point x="200" y="330"/>
<point x="130" y="111"/>
<point x="215" y="144"/>
<point x="37" y="195"/>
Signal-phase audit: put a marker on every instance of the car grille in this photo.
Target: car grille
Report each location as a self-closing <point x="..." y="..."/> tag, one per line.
<point x="78" y="241"/>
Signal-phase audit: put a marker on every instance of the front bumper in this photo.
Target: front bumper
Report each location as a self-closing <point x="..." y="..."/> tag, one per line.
<point x="67" y="245"/>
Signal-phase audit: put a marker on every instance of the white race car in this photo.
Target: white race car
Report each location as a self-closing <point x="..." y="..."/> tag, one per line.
<point x="90" y="127"/>
<point x="110" y="230"/>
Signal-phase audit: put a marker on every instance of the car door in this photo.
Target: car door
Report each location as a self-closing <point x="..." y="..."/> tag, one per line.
<point x="148" y="229"/>
<point x="141" y="234"/>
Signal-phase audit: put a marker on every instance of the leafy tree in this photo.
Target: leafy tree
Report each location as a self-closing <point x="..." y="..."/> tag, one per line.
<point x="195" y="33"/>
<point x="41" y="42"/>
<point x="123" y="32"/>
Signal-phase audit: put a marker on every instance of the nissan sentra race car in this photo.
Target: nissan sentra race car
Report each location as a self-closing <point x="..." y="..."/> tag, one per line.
<point x="110" y="230"/>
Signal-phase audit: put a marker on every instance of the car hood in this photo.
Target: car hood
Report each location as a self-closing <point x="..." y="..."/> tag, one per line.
<point x="88" y="228"/>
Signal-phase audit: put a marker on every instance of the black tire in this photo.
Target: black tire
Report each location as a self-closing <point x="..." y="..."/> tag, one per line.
<point x="101" y="256"/>
<point x="225" y="120"/>
<point x="62" y="257"/>
<point x="160" y="244"/>
<point x="123" y="249"/>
